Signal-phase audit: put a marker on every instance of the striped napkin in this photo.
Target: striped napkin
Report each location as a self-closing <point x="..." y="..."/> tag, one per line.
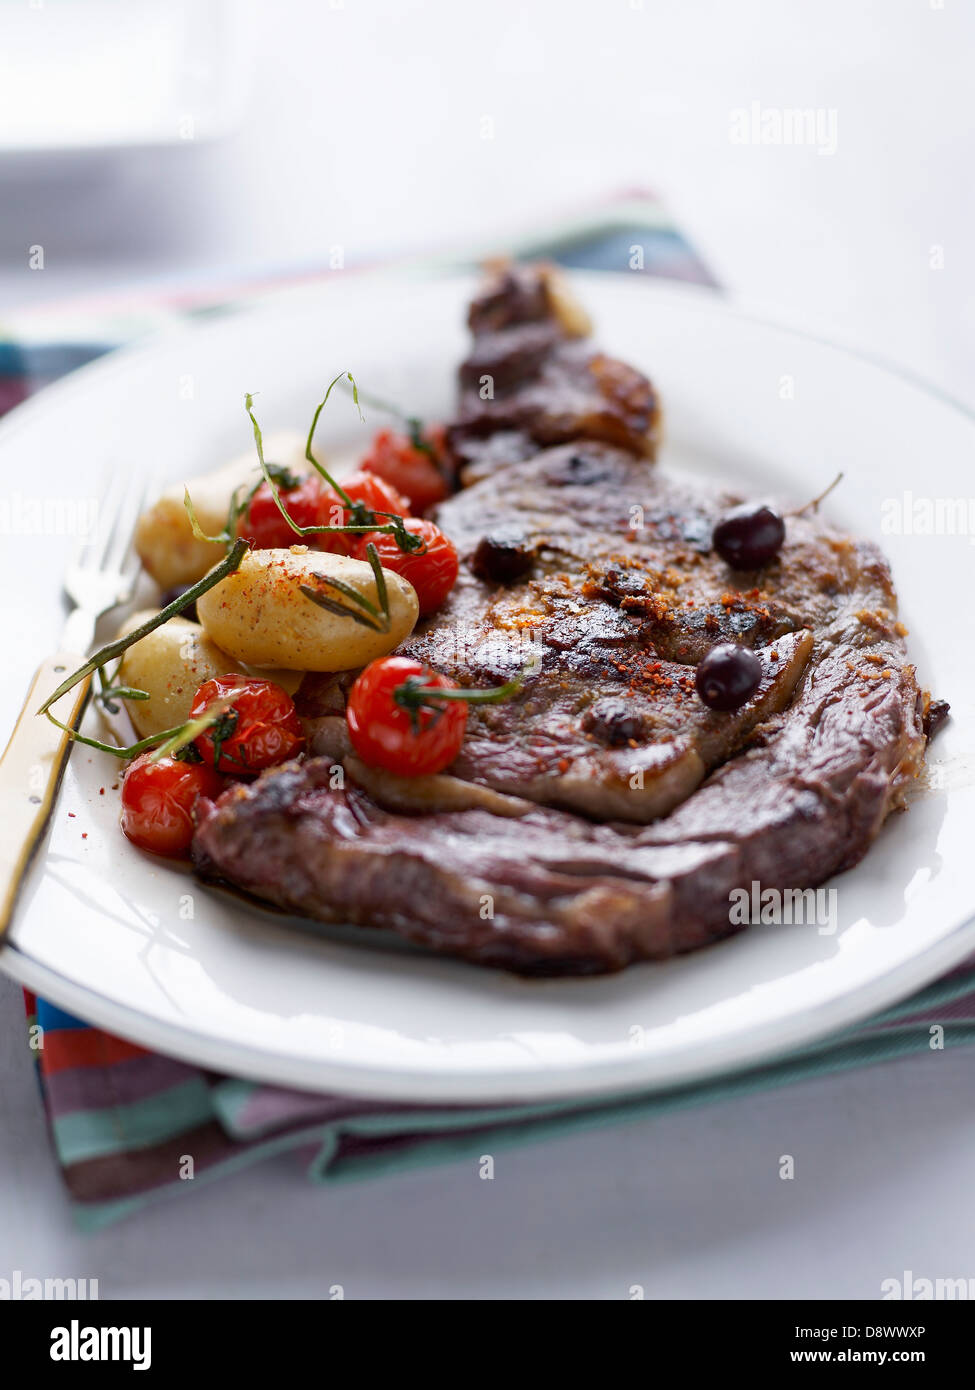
<point x="129" y="1125"/>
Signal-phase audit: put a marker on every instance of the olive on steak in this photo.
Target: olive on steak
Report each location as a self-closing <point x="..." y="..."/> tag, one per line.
<point x="727" y="676"/>
<point x="748" y="536"/>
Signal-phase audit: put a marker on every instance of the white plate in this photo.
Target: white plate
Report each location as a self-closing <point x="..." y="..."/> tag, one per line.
<point x="107" y="933"/>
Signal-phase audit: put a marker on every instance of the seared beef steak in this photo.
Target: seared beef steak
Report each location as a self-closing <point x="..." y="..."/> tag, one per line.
<point x="533" y="379"/>
<point x="612" y="617"/>
<point x="544" y="892"/>
<point x="604" y="814"/>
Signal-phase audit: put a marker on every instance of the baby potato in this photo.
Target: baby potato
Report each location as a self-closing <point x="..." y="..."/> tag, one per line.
<point x="164" y="539"/>
<point x="259" y="614"/>
<point x="171" y="663"/>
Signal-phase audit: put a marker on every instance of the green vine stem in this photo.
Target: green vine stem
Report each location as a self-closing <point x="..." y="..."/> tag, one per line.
<point x="121" y="644"/>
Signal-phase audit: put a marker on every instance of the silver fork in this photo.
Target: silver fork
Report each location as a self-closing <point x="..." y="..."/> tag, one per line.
<point x="102" y="572"/>
<point x="100" y="577"/>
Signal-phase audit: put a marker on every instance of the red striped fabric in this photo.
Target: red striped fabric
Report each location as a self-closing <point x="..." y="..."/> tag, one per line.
<point x="84" y="1047"/>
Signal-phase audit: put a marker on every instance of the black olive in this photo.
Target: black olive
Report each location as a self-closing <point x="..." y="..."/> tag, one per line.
<point x="171" y="595"/>
<point x="748" y="536"/>
<point x="727" y="676"/>
<point x="501" y="558"/>
<point x="613" y="722"/>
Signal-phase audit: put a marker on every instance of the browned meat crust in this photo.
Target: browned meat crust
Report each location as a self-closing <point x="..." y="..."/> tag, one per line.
<point x="529" y="382"/>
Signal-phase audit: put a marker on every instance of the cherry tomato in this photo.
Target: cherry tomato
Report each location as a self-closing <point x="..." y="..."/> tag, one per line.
<point x="432" y="571"/>
<point x="374" y="494"/>
<point x="158" y="800"/>
<point x="385" y="734"/>
<point x="409" y="469"/>
<point x="261" y="727"/>
<point x="377" y="493"/>
<point x="264" y="526"/>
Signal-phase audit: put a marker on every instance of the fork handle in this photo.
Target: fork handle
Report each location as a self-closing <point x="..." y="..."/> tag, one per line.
<point x="30" y="773"/>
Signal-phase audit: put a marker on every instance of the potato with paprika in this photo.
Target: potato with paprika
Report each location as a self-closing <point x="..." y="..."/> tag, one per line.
<point x="293" y="610"/>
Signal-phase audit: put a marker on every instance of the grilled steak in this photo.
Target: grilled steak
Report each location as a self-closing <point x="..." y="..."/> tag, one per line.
<point x="603" y="815"/>
<point x="532" y="379"/>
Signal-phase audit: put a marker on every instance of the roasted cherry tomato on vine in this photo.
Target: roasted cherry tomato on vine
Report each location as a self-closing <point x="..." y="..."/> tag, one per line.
<point x="375" y="492"/>
<point x="375" y="496"/>
<point x="158" y="800"/>
<point x="258" y="729"/>
<point x="408" y="735"/>
<point x="264" y="526"/>
<point x="432" y="571"/>
<point x="411" y="470"/>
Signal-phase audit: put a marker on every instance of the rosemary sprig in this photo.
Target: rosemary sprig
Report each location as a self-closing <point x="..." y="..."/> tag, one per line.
<point x="372" y="617"/>
<point x="186" y="733"/>
<point x="121" y="644"/>
<point x="282" y="476"/>
<point x="171" y="740"/>
<point x="340" y="610"/>
<point x="412" y="423"/>
<point x="198" y="531"/>
<point x="314" y="425"/>
<point x="108" y="695"/>
<point x="364" y="520"/>
<point x="224" y="729"/>
<point x="265" y="470"/>
<point x="372" y="555"/>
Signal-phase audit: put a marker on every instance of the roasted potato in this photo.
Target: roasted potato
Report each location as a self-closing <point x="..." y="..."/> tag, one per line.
<point x="260" y="615"/>
<point x="171" y="663"/>
<point x="164" y="539"/>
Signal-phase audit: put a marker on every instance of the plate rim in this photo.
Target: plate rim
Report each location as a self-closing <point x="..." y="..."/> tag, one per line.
<point x="746" y="1051"/>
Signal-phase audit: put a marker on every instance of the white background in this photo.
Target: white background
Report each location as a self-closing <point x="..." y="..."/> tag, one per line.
<point x="363" y="129"/>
